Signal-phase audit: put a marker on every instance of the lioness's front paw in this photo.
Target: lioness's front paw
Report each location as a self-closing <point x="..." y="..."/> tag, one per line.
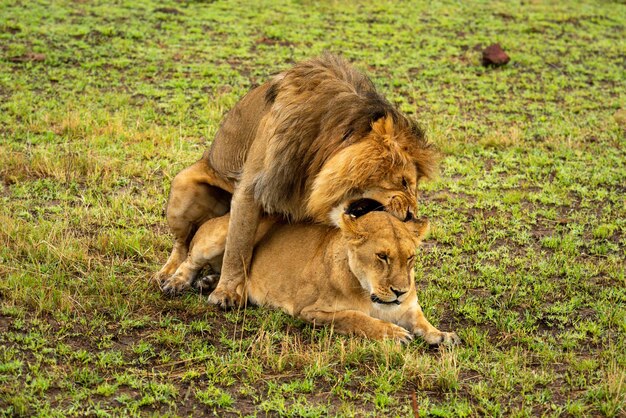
<point x="398" y="333"/>
<point x="225" y="298"/>
<point x="447" y="338"/>
<point x="175" y="284"/>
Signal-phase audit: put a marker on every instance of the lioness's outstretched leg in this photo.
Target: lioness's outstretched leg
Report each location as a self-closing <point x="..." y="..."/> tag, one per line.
<point x="415" y="321"/>
<point x="197" y="194"/>
<point x="358" y="323"/>
<point x="244" y="220"/>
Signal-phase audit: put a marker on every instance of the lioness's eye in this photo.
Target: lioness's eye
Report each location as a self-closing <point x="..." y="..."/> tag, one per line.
<point x="382" y="257"/>
<point x="404" y="183"/>
<point x="410" y="260"/>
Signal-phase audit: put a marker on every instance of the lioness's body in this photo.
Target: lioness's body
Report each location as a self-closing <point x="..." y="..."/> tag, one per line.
<point x="299" y="146"/>
<point x="328" y="275"/>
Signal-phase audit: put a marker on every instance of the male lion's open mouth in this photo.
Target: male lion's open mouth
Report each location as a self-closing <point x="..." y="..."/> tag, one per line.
<point x="360" y="207"/>
<point x="366" y="205"/>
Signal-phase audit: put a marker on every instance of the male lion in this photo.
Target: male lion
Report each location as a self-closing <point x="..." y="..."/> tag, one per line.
<point x="358" y="277"/>
<point x="298" y="146"/>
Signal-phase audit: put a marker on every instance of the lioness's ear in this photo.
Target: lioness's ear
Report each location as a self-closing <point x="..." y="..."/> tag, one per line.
<point x="350" y="229"/>
<point x="419" y="227"/>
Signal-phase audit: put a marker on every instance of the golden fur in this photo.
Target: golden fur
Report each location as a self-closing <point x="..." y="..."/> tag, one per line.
<point x="300" y="146"/>
<point x="359" y="278"/>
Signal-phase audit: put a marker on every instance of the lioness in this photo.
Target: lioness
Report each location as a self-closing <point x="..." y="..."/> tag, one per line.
<point x="359" y="277"/>
<point x="297" y="146"/>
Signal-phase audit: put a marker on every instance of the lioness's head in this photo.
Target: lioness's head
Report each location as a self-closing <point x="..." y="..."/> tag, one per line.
<point x="381" y="253"/>
<point x="385" y="165"/>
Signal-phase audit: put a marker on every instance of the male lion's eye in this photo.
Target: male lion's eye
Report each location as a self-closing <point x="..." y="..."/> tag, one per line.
<point x="404" y="183"/>
<point x="410" y="260"/>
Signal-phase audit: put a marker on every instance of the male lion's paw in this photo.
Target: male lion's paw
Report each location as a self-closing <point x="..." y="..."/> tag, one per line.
<point x="445" y="338"/>
<point x="225" y="298"/>
<point x="160" y="277"/>
<point x="175" y="284"/>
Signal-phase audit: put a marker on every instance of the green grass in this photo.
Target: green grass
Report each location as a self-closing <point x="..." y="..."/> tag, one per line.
<point x="102" y="104"/>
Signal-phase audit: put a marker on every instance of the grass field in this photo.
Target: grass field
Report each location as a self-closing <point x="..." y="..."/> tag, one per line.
<point x="102" y="104"/>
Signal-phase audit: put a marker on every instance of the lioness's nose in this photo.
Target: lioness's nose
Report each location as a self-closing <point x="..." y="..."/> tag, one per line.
<point x="398" y="293"/>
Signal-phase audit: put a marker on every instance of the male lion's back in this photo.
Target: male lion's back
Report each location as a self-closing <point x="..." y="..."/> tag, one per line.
<point x="312" y="110"/>
<point x="233" y="139"/>
<point x="318" y="107"/>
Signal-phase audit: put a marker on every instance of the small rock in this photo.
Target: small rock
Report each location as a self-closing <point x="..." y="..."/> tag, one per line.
<point x="494" y="55"/>
<point x="36" y="57"/>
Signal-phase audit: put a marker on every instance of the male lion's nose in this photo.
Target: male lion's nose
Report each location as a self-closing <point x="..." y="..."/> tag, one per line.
<point x="398" y="293"/>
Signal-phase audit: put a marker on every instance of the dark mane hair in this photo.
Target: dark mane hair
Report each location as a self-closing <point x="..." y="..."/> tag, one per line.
<point x="317" y="108"/>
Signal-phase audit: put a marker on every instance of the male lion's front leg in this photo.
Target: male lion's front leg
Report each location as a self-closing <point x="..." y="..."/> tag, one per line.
<point x="358" y="323"/>
<point x="244" y="220"/>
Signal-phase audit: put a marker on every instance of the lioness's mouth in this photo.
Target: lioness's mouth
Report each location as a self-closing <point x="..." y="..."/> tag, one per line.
<point x="376" y="299"/>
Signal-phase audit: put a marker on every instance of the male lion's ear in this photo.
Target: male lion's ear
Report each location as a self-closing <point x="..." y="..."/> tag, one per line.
<point x="348" y="226"/>
<point x="419" y="227"/>
<point x="383" y="126"/>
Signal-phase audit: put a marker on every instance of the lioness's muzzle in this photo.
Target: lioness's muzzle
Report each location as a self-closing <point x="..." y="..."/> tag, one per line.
<point x="376" y="299"/>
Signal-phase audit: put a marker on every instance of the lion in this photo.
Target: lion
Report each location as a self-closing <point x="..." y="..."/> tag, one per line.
<point x="299" y="147"/>
<point x="358" y="277"/>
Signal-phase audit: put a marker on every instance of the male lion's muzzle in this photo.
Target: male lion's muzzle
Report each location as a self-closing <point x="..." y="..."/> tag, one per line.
<point x="402" y="206"/>
<point x="362" y="206"/>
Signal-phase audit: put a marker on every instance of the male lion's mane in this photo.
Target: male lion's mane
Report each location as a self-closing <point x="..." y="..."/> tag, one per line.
<point x="318" y="108"/>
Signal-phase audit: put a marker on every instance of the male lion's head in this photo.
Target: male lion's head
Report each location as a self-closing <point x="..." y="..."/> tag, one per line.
<point x="381" y="253"/>
<point x="384" y="165"/>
